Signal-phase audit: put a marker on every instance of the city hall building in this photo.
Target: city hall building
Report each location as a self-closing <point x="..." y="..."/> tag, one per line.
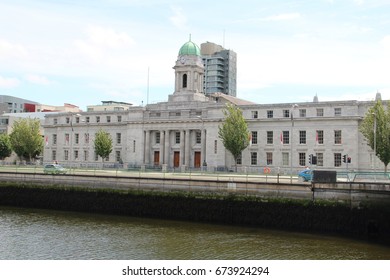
<point x="182" y="133"/>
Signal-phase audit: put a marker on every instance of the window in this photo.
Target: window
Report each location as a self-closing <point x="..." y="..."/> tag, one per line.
<point x="302" y="137"/>
<point x="320" y="159"/>
<point x="87" y="119"/>
<point x="98" y="119"/>
<point x="86" y="138"/>
<point x="118" y="156"/>
<point x="302" y="159"/>
<point x="76" y="138"/>
<point x="133" y="146"/>
<point x="54" y="139"/>
<point x="177" y="137"/>
<point x="119" y="118"/>
<point x="158" y="137"/>
<point x="320" y="112"/>
<point x="337" y="136"/>
<point x="253" y="158"/>
<point x="108" y="119"/>
<point x="270" y="137"/>
<point x="337" y="111"/>
<point x="320" y="137"/>
<point x="337" y="159"/>
<point x="118" y="138"/>
<point x="96" y="157"/>
<point x="302" y="113"/>
<point x="239" y="159"/>
<point x="86" y="155"/>
<point x="55" y="121"/>
<point x="54" y="155"/>
<point x="198" y="137"/>
<point x="77" y="119"/>
<point x="215" y="146"/>
<point x="67" y="120"/>
<point x="286" y="137"/>
<point x="269" y="158"/>
<point x="76" y="154"/>
<point x="286" y="113"/>
<point x="254" y="137"/>
<point x="184" y="80"/>
<point x="285" y="159"/>
<point x="270" y="114"/>
<point x="66" y="155"/>
<point x="255" y="114"/>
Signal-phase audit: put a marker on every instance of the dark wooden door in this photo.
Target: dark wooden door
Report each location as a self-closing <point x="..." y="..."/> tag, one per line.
<point x="176" y="159"/>
<point x="156" y="157"/>
<point x="197" y="159"/>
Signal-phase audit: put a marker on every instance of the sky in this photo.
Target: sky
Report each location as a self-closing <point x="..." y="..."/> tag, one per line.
<point x="85" y="52"/>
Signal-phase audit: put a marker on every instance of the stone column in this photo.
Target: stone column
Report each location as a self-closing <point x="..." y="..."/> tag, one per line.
<point x="166" y="148"/>
<point x="187" y="149"/>
<point x="203" y="149"/>
<point x="162" y="145"/>
<point x="182" y="147"/>
<point x="147" y="147"/>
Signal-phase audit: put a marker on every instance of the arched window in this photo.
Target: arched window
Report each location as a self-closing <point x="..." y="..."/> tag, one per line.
<point x="184" y="80"/>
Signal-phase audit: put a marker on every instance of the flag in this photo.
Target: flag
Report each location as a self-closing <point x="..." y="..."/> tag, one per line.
<point x="281" y="138"/>
<point x="250" y="139"/>
<point x="47" y="140"/>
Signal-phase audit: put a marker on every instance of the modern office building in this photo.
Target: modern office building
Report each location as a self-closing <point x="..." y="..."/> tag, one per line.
<point x="220" y="73"/>
<point x="11" y="104"/>
<point x="182" y="133"/>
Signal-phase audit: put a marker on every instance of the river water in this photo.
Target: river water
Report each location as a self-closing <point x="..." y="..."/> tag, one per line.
<point x="31" y="234"/>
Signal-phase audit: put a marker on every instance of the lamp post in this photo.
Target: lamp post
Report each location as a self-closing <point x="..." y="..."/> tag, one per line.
<point x="292" y="139"/>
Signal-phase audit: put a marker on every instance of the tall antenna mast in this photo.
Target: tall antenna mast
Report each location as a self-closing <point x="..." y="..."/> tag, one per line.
<point x="223" y="41"/>
<point x="147" y="89"/>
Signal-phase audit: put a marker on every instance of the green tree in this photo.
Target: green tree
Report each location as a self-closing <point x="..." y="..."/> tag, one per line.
<point x="5" y="146"/>
<point x="378" y="117"/>
<point x="234" y="131"/>
<point x="103" y="144"/>
<point x="26" y="139"/>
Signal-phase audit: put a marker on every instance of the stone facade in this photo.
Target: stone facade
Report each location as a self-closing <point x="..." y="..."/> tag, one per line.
<point x="183" y="132"/>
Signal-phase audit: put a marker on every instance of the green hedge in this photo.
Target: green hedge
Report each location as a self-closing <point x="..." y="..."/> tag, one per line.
<point x="370" y="222"/>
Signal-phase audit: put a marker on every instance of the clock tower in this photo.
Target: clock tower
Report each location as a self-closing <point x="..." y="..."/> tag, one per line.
<point x="189" y="73"/>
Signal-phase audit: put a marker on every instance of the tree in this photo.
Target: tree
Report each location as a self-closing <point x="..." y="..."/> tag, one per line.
<point x="5" y="146"/>
<point x="378" y="117"/>
<point x="103" y="144"/>
<point x="234" y="131"/>
<point x="26" y="139"/>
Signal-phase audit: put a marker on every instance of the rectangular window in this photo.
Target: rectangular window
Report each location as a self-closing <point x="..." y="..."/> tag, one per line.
<point x="286" y="113"/>
<point x="66" y="155"/>
<point x="198" y="137"/>
<point x="86" y="138"/>
<point x="67" y="120"/>
<point x="133" y="146"/>
<point x="337" y="111"/>
<point x="302" y="137"/>
<point x="77" y="119"/>
<point x="54" y="139"/>
<point x="302" y="113"/>
<point x="158" y="137"/>
<point x="320" y="159"/>
<point x="320" y="112"/>
<point x="320" y="137"/>
<point x="270" y="114"/>
<point x="76" y="154"/>
<point x="254" y="137"/>
<point x="270" y="137"/>
<point x="97" y="119"/>
<point x="285" y="159"/>
<point x="215" y="146"/>
<point x="253" y="158"/>
<point x="76" y="138"/>
<point x="86" y="155"/>
<point x="337" y="159"/>
<point x="118" y="156"/>
<point x="108" y="119"/>
<point x="118" y="138"/>
<point x="286" y="137"/>
<point x="55" y="121"/>
<point x="119" y="118"/>
<point x="302" y="159"/>
<point x="269" y="156"/>
<point x="54" y="155"/>
<point x="87" y="119"/>
<point x="255" y="114"/>
<point x="337" y="136"/>
<point x="177" y="137"/>
<point x="239" y="159"/>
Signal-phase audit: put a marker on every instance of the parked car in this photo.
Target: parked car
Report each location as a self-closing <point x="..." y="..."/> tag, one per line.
<point x="54" y="169"/>
<point x="305" y="175"/>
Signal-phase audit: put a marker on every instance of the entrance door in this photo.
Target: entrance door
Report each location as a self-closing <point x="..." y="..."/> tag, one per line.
<point x="176" y="159"/>
<point x="197" y="159"/>
<point x="156" y="158"/>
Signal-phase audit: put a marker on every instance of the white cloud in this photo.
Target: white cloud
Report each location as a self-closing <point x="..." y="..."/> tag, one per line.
<point x="11" y="50"/>
<point x="178" y="18"/>
<point x="8" y="82"/>
<point x="37" y="79"/>
<point x="282" y="17"/>
<point x="108" y="37"/>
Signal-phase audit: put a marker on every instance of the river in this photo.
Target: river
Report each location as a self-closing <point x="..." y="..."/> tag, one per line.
<point x="32" y="234"/>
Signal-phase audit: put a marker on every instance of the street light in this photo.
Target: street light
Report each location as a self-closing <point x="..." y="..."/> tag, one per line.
<point x="292" y="139"/>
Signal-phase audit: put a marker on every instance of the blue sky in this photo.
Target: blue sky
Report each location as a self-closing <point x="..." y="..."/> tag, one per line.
<point x="83" y="52"/>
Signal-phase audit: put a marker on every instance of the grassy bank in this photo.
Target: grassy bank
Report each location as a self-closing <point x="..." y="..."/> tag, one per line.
<point x="367" y="222"/>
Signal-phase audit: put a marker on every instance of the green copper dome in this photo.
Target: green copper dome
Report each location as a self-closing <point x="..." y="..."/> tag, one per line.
<point x="189" y="48"/>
